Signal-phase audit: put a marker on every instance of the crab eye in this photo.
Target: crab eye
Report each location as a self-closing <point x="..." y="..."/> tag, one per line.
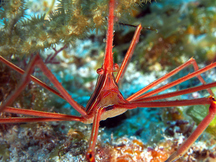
<point x="115" y="67"/>
<point x="100" y="71"/>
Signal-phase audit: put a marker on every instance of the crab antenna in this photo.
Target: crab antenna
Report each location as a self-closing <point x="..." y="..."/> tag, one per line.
<point x="108" y="60"/>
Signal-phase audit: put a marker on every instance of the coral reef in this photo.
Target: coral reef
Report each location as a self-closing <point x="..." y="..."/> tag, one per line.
<point x="42" y="143"/>
<point x="140" y="135"/>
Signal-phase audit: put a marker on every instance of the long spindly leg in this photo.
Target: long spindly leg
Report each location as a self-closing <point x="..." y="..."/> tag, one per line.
<point x="178" y="81"/>
<point x="198" y="131"/>
<point x="34" y="79"/>
<point x="177" y="93"/>
<point x="90" y="155"/>
<point x="37" y="61"/>
<point x="159" y="104"/>
<point x="189" y="62"/>
<point x="44" y="116"/>
<point x="128" y="54"/>
<point x="37" y="119"/>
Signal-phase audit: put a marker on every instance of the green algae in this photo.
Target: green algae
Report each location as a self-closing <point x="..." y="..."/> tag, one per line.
<point x="198" y="113"/>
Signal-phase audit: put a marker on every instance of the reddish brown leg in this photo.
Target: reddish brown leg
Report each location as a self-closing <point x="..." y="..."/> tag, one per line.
<point x="90" y="155"/>
<point x="27" y="120"/>
<point x="129" y="53"/>
<point x="157" y="104"/>
<point x="37" y="61"/>
<point x="34" y="79"/>
<point x="177" y="93"/>
<point x="168" y="75"/>
<point x="47" y="116"/>
<point x="180" y="80"/>
<point x="198" y="131"/>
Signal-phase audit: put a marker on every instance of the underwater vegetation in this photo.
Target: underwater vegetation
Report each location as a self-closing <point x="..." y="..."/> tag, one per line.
<point x="191" y="33"/>
<point x="22" y="34"/>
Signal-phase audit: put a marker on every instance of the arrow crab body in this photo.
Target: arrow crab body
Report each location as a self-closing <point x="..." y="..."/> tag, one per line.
<point x="106" y="100"/>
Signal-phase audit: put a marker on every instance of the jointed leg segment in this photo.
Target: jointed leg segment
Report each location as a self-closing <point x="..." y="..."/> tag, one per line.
<point x="129" y="54"/>
<point x="36" y="119"/>
<point x="37" y="61"/>
<point x="34" y="79"/>
<point x="93" y="139"/>
<point x="198" y="131"/>
<point x="133" y="105"/>
<point x="176" y="82"/>
<point x="177" y="93"/>
<point x="46" y="116"/>
<point x="138" y="95"/>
